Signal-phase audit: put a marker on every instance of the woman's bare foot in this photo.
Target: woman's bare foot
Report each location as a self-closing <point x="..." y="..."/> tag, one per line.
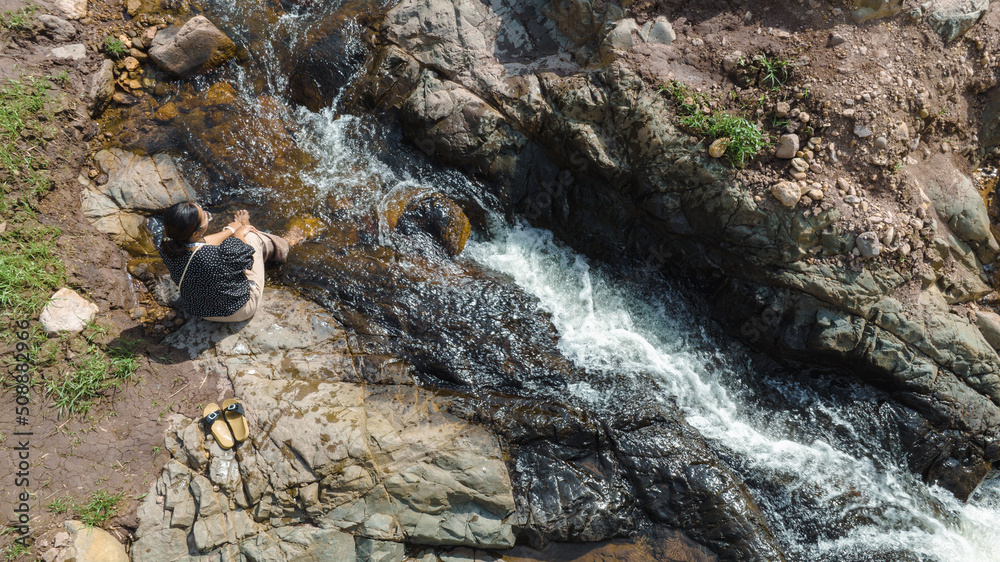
<point x="294" y="235"/>
<point x="242" y="217"/>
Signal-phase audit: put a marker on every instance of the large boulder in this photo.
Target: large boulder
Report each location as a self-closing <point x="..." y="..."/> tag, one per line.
<point x="195" y="47"/>
<point x="136" y="186"/>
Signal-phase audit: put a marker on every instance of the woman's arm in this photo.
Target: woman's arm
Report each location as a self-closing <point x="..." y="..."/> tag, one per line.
<point x="218" y="237"/>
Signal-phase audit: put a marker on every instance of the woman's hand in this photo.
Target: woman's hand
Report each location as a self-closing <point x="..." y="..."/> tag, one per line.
<point x="243" y="230"/>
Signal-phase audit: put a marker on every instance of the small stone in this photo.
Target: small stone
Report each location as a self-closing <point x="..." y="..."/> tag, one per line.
<point x="904" y="249"/>
<point x="815" y="194"/>
<point x="881" y="143"/>
<point x="167" y="112"/>
<point x="134" y="84"/>
<point x="133" y="7"/>
<point x="852" y="199"/>
<point x="787" y="193"/>
<point x="862" y="132"/>
<point x="92" y="173"/>
<point x="124" y="99"/>
<point x="731" y="61"/>
<point x="788" y="145"/>
<point x="847" y="113"/>
<point x="869" y="245"/>
<point x="131" y="63"/>
<point x="835" y="39"/>
<point x="804" y="117"/>
<point x="718" y="147"/>
<point x="797" y="175"/>
<point x="782" y="109"/>
<point x="66" y="311"/>
<point x="799" y="164"/>
<point x="843" y="184"/>
<point x="924" y="114"/>
<point x="75" y="51"/>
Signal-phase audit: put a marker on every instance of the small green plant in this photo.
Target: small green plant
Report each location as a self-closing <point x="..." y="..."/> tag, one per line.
<point x="745" y="138"/>
<point x="19" y="20"/>
<point x="101" y="507"/>
<point x="95" y="372"/>
<point x="774" y="71"/>
<point x="16" y="550"/>
<point x="60" y="505"/>
<point x="115" y="47"/>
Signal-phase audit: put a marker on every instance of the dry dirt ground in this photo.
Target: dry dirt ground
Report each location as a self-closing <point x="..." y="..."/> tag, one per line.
<point x="118" y="446"/>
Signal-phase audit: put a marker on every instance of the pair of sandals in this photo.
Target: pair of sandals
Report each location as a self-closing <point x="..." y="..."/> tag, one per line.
<point x="228" y="423"/>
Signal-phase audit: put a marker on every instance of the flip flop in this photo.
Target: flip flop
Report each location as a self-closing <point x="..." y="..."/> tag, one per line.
<point x="216" y="425"/>
<point x="236" y="418"/>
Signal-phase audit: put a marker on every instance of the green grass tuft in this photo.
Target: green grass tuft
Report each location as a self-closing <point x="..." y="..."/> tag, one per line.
<point x="745" y="138"/>
<point x="19" y="20"/>
<point x="94" y="372"/>
<point x="115" y="47"/>
<point x="60" y="505"/>
<point x="101" y="507"/>
<point x="29" y="270"/>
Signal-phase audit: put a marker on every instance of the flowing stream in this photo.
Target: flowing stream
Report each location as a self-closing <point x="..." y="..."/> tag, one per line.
<point x="819" y="463"/>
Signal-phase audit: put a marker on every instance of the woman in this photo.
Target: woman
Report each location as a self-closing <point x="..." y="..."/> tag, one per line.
<point x="220" y="276"/>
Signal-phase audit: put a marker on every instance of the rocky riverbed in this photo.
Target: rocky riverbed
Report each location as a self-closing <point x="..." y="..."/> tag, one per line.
<point x="407" y="401"/>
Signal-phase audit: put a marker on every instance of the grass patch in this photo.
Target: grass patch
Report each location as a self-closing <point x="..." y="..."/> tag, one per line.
<point x="746" y="140"/>
<point x="94" y="372"/>
<point x="773" y="71"/>
<point x="22" y="105"/>
<point x="60" y="505"/>
<point x="16" y="550"/>
<point x="19" y="20"/>
<point x="29" y="270"/>
<point x="101" y="507"/>
<point x="115" y="47"/>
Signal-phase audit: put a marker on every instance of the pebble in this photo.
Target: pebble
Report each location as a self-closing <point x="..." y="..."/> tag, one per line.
<point x="815" y="194"/>
<point x="835" y="39"/>
<point x="816" y="167"/>
<point x="804" y="117"/>
<point x="131" y="63"/>
<point x="881" y="143"/>
<point x="718" y="147"/>
<point x="862" y="132"/>
<point x="93" y="173"/>
<point x="800" y="164"/>
<point x="924" y="114"/>
<point x="842" y="184"/>
<point x="847" y="113"/>
<point x="787" y="193"/>
<point x="852" y="199"/>
<point x="788" y="145"/>
<point x="781" y="109"/>
<point x="904" y="249"/>
<point x="868" y="244"/>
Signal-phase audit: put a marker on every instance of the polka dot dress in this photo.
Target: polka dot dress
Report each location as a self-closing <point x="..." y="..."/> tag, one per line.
<point x="215" y="283"/>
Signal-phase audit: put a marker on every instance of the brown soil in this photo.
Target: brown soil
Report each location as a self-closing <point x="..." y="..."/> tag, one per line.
<point x="884" y="73"/>
<point x="118" y="446"/>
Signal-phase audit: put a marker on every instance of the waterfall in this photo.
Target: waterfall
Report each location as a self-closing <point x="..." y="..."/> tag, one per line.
<point x="604" y="326"/>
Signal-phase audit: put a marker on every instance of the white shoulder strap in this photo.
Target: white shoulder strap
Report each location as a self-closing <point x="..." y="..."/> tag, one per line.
<point x="181" y="284"/>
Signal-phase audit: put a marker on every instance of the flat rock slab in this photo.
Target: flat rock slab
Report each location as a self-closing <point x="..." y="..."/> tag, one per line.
<point x="75" y="51"/>
<point x="66" y="312"/>
<point x="137" y="186"/>
<point x="72" y="9"/>
<point x="379" y="465"/>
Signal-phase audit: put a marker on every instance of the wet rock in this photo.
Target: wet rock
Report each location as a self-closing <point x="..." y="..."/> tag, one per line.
<point x="57" y="28"/>
<point x="195" y="47"/>
<point x="102" y="88"/>
<point x="133" y="7"/>
<point x="418" y="210"/>
<point x="66" y="312"/>
<point x="788" y="145"/>
<point x="91" y="544"/>
<point x="137" y="186"/>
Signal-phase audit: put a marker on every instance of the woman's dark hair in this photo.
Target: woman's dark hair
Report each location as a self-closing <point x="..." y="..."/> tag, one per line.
<point x="180" y="222"/>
